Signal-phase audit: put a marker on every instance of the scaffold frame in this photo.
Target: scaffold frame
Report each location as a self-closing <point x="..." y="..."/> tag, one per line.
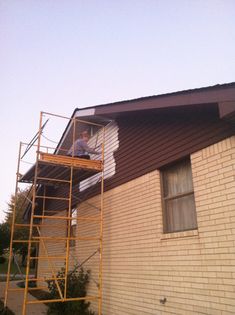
<point x="47" y="160"/>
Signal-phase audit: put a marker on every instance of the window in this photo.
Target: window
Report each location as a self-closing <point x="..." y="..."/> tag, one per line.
<point x="72" y="243"/>
<point x="179" y="212"/>
<point x="73" y="228"/>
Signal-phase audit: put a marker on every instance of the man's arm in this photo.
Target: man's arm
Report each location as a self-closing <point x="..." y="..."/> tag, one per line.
<point x="88" y="149"/>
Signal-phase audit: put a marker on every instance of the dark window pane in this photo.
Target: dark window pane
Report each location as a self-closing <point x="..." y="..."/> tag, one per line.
<point x="181" y="214"/>
<point x="178" y="198"/>
<point x="72" y="243"/>
<point x="178" y="179"/>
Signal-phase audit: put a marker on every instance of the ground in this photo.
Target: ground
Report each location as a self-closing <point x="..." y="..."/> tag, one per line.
<point x="15" y="301"/>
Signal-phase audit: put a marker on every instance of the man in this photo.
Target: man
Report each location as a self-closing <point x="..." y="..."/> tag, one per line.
<point x="80" y="147"/>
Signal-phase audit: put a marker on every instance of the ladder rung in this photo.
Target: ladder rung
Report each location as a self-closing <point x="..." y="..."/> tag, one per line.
<point x="46" y="279"/>
<point x="39" y="225"/>
<point x="21" y="224"/>
<point x="67" y="238"/>
<point x="52" y="217"/>
<point x="29" y="289"/>
<point x="46" y="257"/>
<point x="64" y="300"/>
<point x="53" y="179"/>
<point x="25" y="241"/>
<point x="54" y="198"/>
<point x="67" y="218"/>
<point x="16" y="289"/>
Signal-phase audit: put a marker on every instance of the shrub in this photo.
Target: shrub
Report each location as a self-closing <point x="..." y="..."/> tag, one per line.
<point x="2" y="259"/>
<point x="5" y="311"/>
<point x="76" y="287"/>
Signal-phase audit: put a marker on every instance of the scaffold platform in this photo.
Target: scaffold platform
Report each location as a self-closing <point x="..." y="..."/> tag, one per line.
<point x="55" y="169"/>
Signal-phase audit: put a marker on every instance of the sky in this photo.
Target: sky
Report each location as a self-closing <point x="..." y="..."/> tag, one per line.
<point x="56" y="56"/>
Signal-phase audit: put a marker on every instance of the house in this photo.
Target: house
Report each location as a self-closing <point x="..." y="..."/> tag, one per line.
<point x="169" y="204"/>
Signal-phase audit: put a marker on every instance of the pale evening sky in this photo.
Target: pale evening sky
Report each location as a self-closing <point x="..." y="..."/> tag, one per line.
<point x="58" y="55"/>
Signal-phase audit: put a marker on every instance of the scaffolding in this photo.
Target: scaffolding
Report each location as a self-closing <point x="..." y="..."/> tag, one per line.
<point x="54" y="169"/>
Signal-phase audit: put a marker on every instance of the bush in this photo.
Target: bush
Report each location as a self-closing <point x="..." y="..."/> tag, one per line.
<point x="5" y="311"/>
<point x="2" y="259"/>
<point x="4" y="237"/>
<point x="76" y="287"/>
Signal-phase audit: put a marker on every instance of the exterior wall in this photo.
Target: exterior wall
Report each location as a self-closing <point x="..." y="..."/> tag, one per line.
<point x="194" y="270"/>
<point x="149" y="141"/>
<point x="214" y="184"/>
<point x="52" y="248"/>
<point x="139" y="143"/>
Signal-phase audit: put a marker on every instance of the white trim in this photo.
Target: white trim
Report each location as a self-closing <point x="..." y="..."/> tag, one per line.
<point x="85" y="112"/>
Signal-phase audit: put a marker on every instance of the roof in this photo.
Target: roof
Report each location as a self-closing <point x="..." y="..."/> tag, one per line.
<point x="210" y="94"/>
<point x="221" y="94"/>
<point x="217" y="87"/>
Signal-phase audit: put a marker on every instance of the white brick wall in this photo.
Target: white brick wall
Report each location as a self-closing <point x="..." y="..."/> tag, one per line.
<point x="194" y="270"/>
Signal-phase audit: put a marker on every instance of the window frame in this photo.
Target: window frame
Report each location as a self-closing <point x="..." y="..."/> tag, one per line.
<point x="72" y="243"/>
<point x="73" y="225"/>
<point x="164" y="199"/>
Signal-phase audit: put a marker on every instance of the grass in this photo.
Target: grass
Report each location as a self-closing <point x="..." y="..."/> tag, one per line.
<point x="14" y="269"/>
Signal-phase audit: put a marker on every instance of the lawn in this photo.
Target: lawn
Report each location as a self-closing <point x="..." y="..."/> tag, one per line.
<point x="14" y="269"/>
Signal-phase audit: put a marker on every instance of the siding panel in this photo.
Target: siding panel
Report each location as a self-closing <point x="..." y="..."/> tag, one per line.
<point x="161" y="140"/>
<point x="153" y="139"/>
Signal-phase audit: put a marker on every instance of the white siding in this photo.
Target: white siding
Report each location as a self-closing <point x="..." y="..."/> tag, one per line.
<point x="111" y="145"/>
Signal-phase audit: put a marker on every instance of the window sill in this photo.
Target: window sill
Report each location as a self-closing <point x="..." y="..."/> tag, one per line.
<point x="183" y="234"/>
